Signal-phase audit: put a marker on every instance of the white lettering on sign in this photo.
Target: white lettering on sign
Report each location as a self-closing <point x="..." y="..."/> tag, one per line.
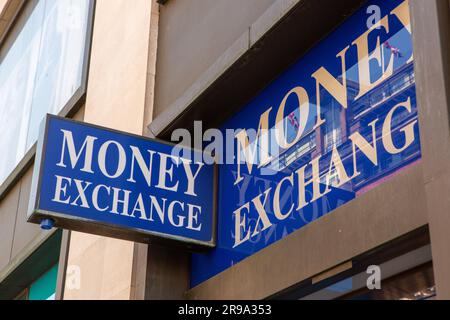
<point x="116" y="162"/>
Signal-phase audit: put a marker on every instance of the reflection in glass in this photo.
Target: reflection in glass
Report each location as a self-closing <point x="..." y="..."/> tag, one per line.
<point x="380" y="90"/>
<point x="39" y="73"/>
<point x="414" y="284"/>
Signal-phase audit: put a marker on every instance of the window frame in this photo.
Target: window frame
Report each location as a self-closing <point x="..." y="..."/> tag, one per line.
<point x="68" y="110"/>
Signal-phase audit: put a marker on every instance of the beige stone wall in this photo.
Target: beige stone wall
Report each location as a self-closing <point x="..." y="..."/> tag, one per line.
<point x="8" y="9"/>
<point x="3" y="5"/>
<point x="116" y="98"/>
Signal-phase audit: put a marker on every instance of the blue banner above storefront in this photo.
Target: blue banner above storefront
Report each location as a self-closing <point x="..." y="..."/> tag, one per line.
<point x="101" y="181"/>
<point x="342" y="120"/>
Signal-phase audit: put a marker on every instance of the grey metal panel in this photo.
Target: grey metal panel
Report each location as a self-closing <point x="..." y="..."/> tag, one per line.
<point x="8" y="213"/>
<point x="24" y="232"/>
<point x="192" y="36"/>
<point x="41" y="260"/>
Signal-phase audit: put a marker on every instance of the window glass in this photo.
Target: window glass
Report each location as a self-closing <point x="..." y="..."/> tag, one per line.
<point x="44" y="288"/>
<point x="39" y="73"/>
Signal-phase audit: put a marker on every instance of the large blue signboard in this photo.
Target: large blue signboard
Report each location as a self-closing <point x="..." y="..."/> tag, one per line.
<point x="111" y="183"/>
<point x="339" y="122"/>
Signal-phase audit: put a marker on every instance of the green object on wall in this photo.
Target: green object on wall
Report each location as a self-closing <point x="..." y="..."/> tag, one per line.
<point x="44" y="287"/>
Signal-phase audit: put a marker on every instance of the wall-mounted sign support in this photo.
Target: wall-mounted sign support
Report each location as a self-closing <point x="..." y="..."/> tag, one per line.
<point x="96" y="180"/>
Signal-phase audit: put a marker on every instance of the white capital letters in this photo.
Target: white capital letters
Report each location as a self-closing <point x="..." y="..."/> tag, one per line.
<point x="88" y="147"/>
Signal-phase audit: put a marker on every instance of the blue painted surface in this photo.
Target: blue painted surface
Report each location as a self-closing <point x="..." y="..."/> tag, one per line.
<point x="340" y="124"/>
<point x="136" y="216"/>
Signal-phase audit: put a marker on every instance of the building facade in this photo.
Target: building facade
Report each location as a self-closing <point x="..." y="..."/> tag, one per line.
<point x="343" y="183"/>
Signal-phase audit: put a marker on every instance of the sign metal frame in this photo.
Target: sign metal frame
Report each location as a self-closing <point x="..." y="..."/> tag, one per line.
<point x="85" y="225"/>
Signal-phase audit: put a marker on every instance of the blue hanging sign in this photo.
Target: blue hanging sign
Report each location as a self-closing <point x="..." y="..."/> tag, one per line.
<point x="110" y="183"/>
